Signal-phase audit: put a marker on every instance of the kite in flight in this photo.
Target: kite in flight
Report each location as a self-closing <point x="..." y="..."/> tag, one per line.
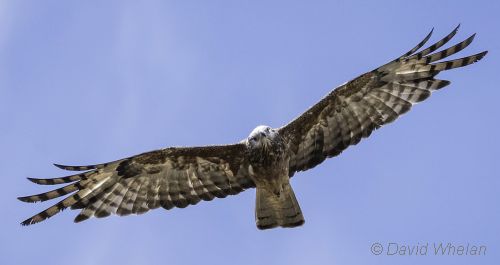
<point x="267" y="159"/>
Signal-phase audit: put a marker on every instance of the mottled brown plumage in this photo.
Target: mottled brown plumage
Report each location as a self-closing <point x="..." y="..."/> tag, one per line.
<point x="267" y="159"/>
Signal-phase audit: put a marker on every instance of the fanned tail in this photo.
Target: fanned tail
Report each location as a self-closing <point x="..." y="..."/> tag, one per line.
<point x="273" y="210"/>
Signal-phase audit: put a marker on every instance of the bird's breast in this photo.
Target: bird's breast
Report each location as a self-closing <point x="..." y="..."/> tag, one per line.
<point x="269" y="164"/>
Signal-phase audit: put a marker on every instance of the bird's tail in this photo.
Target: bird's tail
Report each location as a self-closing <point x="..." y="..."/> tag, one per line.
<point x="273" y="210"/>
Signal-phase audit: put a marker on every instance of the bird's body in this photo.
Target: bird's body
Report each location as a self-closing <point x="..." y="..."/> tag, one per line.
<point x="276" y="204"/>
<point x="267" y="159"/>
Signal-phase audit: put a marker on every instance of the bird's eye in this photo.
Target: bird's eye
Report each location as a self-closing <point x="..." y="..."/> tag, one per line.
<point x="253" y="139"/>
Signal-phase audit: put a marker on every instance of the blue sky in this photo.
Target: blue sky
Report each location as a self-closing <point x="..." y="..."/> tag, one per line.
<point x="84" y="82"/>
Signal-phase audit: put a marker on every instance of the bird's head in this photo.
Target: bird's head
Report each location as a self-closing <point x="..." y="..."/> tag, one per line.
<point x="261" y="136"/>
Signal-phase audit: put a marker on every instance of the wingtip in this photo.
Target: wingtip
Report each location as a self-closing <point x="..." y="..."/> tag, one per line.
<point x="60" y="166"/>
<point x="24" y="199"/>
<point x="34" y="180"/>
<point x="42" y="181"/>
<point x="429" y="34"/>
<point x="481" y="55"/>
<point x="28" y="221"/>
<point x="76" y="168"/>
<point x="442" y="83"/>
<point x="80" y="218"/>
<point x="455" y="30"/>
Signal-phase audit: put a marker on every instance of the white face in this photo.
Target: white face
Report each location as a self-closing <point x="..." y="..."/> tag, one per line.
<point x="261" y="135"/>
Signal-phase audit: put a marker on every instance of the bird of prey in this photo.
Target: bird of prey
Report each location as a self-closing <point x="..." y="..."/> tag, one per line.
<point x="266" y="159"/>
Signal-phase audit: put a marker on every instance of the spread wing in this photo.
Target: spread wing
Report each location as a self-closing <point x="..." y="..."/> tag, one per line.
<point x="352" y="111"/>
<point x="172" y="177"/>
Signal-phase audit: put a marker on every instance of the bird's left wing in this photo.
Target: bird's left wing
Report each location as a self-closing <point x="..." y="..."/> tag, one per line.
<point x="172" y="177"/>
<point x="352" y="111"/>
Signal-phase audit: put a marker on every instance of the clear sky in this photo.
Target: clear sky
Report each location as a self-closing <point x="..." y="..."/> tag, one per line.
<point x="84" y="82"/>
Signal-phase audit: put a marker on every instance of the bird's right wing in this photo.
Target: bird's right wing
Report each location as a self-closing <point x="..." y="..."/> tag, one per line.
<point x="172" y="177"/>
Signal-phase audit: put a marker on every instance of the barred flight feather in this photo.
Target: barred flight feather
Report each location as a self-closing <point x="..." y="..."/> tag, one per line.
<point x="434" y="46"/>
